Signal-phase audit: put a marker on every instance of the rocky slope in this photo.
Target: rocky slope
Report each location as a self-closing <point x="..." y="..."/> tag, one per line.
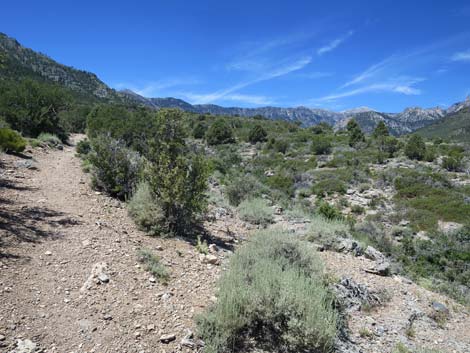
<point x="17" y="62"/>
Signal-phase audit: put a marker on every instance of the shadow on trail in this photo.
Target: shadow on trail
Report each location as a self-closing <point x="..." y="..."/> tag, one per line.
<point x="27" y="223"/>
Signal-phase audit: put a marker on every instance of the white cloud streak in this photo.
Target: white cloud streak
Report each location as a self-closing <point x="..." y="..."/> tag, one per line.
<point x="334" y="44"/>
<point x="461" y="56"/>
<point x="273" y="73"/>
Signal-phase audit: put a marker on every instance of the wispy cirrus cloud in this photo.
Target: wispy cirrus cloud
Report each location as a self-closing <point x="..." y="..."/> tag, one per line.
<point x="403" y="85"/>
<point x="195" y="98"/>
<point x="154" y="88"/>
<point x="334" y="44"/>
<point x="461" y="56"/>
<point x="274" y="72"/>
<point x="315" y="75"/>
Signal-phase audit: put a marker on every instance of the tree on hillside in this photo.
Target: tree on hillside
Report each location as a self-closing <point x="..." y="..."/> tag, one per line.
<point x="219" y="133"/>
<point x="257" y="134"/>
<point x="356" y="135"/>
<point x="176" y="176"/>
<point x="31" y="107"/>
<point x="381" y="130"/>
<point x="415" y="148"/>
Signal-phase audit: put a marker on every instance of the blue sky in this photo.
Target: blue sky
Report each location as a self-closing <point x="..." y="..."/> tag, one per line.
<point x="337" y="55"/>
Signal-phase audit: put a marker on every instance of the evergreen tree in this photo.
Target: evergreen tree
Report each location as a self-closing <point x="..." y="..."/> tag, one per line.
<point x="257" y="134"/>
<point x="415" y="148"/>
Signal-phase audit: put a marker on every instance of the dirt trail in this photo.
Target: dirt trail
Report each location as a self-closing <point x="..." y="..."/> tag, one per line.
<point x="53" y="230"/>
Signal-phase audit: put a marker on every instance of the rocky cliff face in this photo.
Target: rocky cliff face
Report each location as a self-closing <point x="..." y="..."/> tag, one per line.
<point x="18" y="62"/>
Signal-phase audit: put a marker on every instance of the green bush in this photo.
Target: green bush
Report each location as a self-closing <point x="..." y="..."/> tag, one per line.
<point x="255" y="211"/>
<point x="329" y="187"/>
<point x="11" y="141"/>
<point x="452" y="164"/>
<point x="272" y="298"/>
<point x="33" y="107"/>
<point x="381" y="130"/>
<point x="83" y="147"/>
<point x="415" y="148"/>
<point x="115" y="167"/>
<point x="257" y="134"/>
<point x="355" y="133"/>
<point x="282" y="182"/>
<point x="49" y="139"/>
<point x="219" y="133"/>
<point x="328" y="211"/>
<point x="199" y="130"/>
<point x="145" y="210"/>
<point x="177" y="176"/>
<point x="321" y="144"/>
<point x="240" y="188"/>
<point x="322" y="227"/>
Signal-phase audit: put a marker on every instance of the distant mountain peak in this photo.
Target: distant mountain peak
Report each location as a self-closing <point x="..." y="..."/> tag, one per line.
<point x="358" y="110"/>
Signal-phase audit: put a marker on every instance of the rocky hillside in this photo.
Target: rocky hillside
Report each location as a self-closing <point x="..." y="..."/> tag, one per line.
<point x="455" y="126"/>
<point x="17" y="62"/>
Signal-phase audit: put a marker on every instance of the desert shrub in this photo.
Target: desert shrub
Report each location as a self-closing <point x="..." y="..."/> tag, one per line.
<point x="430" y="154"/>
<point x="415" y="148"/>
<point x="255" y="211"/>
<point x="322" y="227"/>
<point x="329" y="187"/>
<point x="227" y="157"/>
<point x="83" y="147"/>
<point x="240" y="188"/>
<point x="153" y="265"/>
<point x="177" y="176"/>
<point x="388" y="145"/>
<point x="74" y="119"/>
<point x="32" y="107"/>
<point x="328" y="211"/>
<point x="321" y="144"/>
<point x="49" y="139"/>
<point x="452" y="164"/>
<point x="133" y="127"/>
<point x="11" y="141"/>
<point x="145" y="209"/>
<point x="115" y="167"/>
<point x="322" y="128"/>
<point x="199" y="130"/>
<point x="257" y="134"/>
<point x="219" y="133"/>
<point x="282" y="182"/>
<point x="278" y="145"/>
<point x="273" y="298"/>
<point x="444" y="259"/>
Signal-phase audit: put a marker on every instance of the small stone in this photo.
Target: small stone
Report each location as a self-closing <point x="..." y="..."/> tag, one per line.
<point x="25" y="346"/>
<point x="2" y="338"/>
<point x="211" y="259"/>
<point x="103" y="278"/>
<point x="48" y="253"/>
<point x="213" y="248"/>
<point x="150" y="327"/>
<point x="152" y="279"/>
<point x="440" y="308"/>
<point x="167" y="338"/>
<point x="107" y="317"/>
